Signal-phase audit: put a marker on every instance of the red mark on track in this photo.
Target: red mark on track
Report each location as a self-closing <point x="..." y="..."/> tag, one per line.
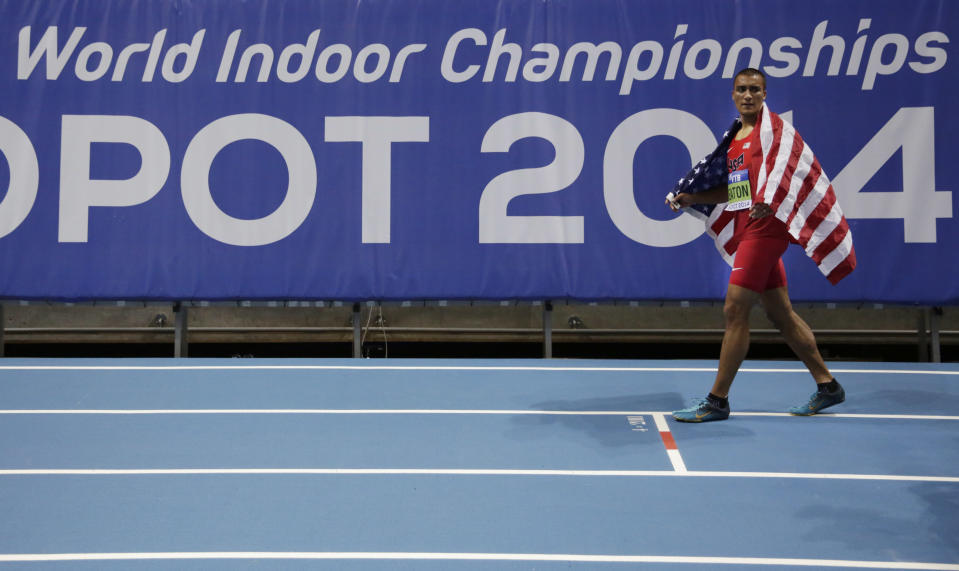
<point x="668" y="440"/>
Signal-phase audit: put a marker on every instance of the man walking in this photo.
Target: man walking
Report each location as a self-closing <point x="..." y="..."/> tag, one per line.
<point x="769" y="199"/>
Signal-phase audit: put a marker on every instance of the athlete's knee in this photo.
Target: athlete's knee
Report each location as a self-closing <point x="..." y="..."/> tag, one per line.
<point x="736" y="311"/>
<point x="739" y="302"/>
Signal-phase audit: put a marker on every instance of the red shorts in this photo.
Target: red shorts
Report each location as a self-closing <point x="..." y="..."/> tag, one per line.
<point x="758" y="265"/>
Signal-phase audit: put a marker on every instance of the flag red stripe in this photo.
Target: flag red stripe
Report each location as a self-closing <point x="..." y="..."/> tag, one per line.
<point x="777" y="127"/>
<point x="831" y="242"/>
<point x="782" y="190"/>
<point x="816" y="217"/>
<point x="722" y="221"/>
<point x="808" y="184"/>
<point x="843" y="269"/>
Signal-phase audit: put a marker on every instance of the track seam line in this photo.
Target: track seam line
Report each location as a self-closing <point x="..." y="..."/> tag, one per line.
<point x="278" y="411"/>
<point x="459" y="472"/>
<point x="425" y="556"/>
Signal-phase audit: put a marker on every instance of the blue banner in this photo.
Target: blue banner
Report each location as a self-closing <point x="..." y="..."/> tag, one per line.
<point x="477" y="149"/>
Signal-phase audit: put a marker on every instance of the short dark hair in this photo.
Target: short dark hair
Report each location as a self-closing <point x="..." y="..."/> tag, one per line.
<point x="751" y="71"/>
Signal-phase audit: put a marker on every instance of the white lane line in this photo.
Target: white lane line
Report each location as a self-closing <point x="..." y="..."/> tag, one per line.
<point x="461" y="472"/>
<point x="672" y="451"/>
<point x="377" y="411"/>
<point x="444" y="368"/>
<point x="676" y="460"/>
<point x="529" y="557"/>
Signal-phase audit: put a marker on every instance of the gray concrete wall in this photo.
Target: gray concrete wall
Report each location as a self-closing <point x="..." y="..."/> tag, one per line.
<point x="106" y="322"/>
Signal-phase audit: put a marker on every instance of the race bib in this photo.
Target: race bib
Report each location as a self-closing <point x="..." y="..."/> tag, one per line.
<point x="740" y="197"/>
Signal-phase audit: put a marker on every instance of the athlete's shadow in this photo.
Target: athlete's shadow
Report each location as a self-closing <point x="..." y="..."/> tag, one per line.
<point x="657" y="402"/>
<point x="615" y="430"/>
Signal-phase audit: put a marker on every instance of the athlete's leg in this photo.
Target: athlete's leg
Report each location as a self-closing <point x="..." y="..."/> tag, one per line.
<point x="795" y="331"/>
<point x="739" y="301"/>
<point x="755" y="261"/>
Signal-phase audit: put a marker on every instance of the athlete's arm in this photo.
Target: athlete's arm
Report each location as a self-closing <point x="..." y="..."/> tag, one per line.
<point x="715" y="195"/>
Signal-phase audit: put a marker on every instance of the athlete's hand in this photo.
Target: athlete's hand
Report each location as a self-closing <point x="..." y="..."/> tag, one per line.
<point x="760" y="210"/>
<point x="681" y="200"/>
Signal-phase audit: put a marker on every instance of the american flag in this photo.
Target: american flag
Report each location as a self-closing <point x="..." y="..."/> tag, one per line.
<point x="790" y="181"/>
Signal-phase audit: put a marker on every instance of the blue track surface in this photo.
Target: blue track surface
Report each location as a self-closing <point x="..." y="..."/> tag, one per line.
<point x="558" y="459"/>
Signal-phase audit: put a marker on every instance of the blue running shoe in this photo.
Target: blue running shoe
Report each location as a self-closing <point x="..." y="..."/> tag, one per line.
<point x="705" y="411"/>
<point x="819" y="401"/>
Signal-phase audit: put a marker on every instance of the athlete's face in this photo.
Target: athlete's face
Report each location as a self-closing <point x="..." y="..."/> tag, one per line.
<point x="749" y="92"/>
